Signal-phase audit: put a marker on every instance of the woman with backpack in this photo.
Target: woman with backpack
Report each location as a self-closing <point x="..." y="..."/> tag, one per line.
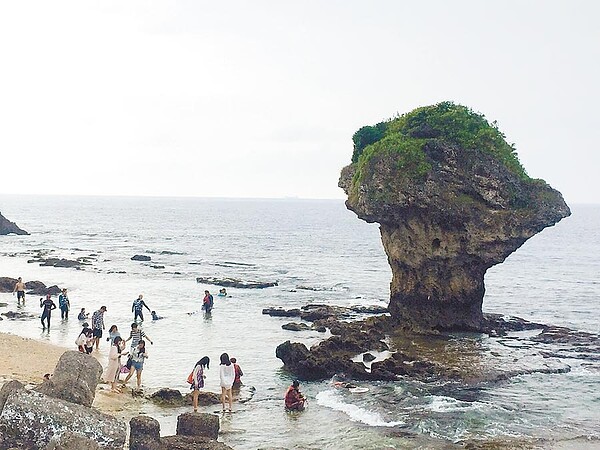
<point x="196" y="379"/>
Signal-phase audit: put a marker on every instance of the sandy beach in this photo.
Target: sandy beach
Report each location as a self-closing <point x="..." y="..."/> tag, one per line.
<point x="27" y="360"/>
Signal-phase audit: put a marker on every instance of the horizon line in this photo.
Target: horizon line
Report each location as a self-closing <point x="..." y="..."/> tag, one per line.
<point x="169" y="196"/>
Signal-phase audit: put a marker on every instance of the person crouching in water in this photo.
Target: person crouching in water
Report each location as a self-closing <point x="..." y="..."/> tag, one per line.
<point x="138" y="356"/>
<point x="85" y="340"/>
<point x="294" y="400"/>
<point x="198" y="379"/>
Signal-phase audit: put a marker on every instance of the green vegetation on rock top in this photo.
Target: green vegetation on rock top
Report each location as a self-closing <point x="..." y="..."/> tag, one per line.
<point x="446" y="121"/>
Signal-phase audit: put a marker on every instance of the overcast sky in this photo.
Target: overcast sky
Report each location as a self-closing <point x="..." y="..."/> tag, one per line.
<point x="261" y="98"/>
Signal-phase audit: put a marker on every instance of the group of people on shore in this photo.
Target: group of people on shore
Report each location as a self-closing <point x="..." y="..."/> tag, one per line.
<point x="89" y="337"/>
<point x="230" y="372"/>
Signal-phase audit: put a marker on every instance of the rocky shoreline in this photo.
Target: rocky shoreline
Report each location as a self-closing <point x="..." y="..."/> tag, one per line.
<point x="57" y="414"/>
<point x="353" y="345"/>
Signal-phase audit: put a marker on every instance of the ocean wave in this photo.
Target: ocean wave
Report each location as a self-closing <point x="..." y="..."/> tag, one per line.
<point x="332" y="399"/>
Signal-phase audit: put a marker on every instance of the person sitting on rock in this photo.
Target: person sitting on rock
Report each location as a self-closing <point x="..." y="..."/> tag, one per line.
<point x="294" y="400"/>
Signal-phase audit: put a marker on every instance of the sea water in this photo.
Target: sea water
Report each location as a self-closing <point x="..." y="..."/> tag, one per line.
<point x="318" y="252"/>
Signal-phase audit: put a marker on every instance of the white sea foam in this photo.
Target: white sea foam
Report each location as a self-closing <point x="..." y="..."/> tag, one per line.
<point x="440" y="403"/>
<point x="332" y="399"/>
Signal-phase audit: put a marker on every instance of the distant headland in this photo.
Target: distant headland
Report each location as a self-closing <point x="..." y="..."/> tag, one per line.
<point x="8" y="227"/>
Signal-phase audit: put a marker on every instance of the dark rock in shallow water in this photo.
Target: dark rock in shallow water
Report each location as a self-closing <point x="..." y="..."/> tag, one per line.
<point x="141" y="258"/>
<point x="368" y="357"/>
<point x="295" y="326"/>
<point x="369" y="309"/>
<point x="205" y="398"/>
<point x="75" y="379"/>
<point x="198" y="424"/>
<point x="191" y="443"/>
<point x="62" y="262"/>
<point x="7" y="284"/>
<point x="449" y="208"/>
<point x="145" y="433"/>
<point x="235" y="283"/>
<point x="53" y="290"/>
<point x="35" y="288"/>
<point x="8" y="227"/>
<point x="280" y="312"/>
<point x="18" y="315"/>
<point x="31" y="419"/>
<point x="168" y="397"/>
<point x="173" y="397"/>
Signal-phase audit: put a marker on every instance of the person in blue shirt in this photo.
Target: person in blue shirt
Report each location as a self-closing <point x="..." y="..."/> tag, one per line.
<point x="137" y="308"/>
<point x="64" y="304"/>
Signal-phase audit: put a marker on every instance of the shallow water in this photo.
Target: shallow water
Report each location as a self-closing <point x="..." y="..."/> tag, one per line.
<point x="320" y="245"/>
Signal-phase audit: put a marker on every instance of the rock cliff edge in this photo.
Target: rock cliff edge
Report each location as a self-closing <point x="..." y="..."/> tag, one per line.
<point x="452" y="200"/>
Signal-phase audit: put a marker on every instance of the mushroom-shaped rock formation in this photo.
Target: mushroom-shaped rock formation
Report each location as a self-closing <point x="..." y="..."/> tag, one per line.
<point x="452" y="200"/>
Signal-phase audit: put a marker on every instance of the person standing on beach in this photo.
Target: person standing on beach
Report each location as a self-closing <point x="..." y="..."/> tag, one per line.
<point x="138" y="356"/>
<point x="48" y="306"/>
<point x="98" y="324"/>
<point x="226" y="375"/>
<point x="198" y="379"/>
<point x="137" y="308"/>
<point x="111" y="374"/>
<point x="20" y="290"/>
<point x="64" y="304"/>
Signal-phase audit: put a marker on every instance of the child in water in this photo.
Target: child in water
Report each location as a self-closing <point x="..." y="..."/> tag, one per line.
<point x="82" y="314"/>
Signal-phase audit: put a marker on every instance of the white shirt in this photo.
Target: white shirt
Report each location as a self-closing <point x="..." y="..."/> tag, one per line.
<point x="227" y="375"/>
